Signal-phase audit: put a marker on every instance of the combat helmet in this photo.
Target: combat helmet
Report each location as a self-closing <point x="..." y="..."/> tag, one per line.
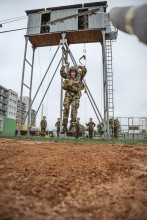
<point x="73" y="68"/>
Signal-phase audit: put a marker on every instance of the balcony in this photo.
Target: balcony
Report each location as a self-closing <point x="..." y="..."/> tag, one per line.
<point x="3" y="93"/>
<point x="4" y="101"/>
<point x="3" y="108"/>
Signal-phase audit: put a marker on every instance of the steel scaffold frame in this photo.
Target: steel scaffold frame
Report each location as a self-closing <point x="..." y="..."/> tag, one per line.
<point x="106" y="89"/>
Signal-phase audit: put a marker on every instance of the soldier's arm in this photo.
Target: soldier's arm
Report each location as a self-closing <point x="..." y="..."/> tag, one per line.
<point x="87" y="124"/>
<point x="63" y="73"/>
<point x="93" y="124"/>
<point x="83" y="71"/>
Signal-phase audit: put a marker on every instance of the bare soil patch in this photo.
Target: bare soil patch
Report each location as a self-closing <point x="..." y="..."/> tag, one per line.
<point x="82" y="181"/>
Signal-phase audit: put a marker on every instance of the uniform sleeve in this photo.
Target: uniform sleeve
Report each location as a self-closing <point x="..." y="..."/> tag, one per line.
<point x="83" y="71"/>
<point x="93" y="124"/>
<point x="63" y="73"/>
<point x="87" y="124"/>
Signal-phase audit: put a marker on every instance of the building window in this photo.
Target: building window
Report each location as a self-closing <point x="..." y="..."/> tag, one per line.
<point x="44" y="19"/>
<point x="82" y="20"/>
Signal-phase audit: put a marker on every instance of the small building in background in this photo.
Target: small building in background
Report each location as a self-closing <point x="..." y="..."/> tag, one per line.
<point x="3" y="101"/>
<point x="9" y="110"/>
<point x="25" y="108"/>
<point x="12" y="104"/>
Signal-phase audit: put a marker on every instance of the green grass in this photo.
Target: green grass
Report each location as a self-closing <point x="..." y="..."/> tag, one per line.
<point x="80" y="140"/>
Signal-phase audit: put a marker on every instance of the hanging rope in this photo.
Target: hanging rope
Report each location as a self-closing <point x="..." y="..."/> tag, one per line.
<point x="83" y="57"/>
<point x="65" y="52"/>
<point x="47" y="97"/>
<point x="40" y="78"/>
<point x="85" y="91"/>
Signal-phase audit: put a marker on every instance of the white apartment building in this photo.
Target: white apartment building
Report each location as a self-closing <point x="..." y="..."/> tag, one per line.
<point x="25" y="108"/>
<point x="12" y="104"/>
<point x="3" y="101"/>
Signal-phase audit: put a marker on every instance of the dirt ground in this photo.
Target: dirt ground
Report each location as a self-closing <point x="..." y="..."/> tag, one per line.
<point x="51" y="181"/>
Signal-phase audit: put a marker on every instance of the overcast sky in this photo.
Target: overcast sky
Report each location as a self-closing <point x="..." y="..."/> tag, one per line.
<point x="129" y="64"/>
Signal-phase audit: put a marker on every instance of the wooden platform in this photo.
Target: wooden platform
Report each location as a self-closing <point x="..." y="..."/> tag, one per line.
<point x="75" y="37"/>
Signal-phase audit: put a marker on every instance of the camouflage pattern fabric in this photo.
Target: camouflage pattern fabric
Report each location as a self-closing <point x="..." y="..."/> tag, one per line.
<point x="43" y="124"/>
<point x="43" y="127"/>
<point x="115" y="130"/>
<point x="58" y="127"/>
<point x="43" y="132"/>
<point x="72" y="94"/>
<point x="77" y="130"/>
<point x="74" y="102"/>
<point x="91" y="125"/>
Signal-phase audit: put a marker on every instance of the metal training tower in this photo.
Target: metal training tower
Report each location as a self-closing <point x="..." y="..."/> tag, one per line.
<point x="65" y="25"/>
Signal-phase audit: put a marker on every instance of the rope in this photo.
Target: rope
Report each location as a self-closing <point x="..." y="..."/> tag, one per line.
<point x="84" y="51"/>
<point x="102" y="86"/>
<point x="41" y="85"/>
<point x="47" y="101"/>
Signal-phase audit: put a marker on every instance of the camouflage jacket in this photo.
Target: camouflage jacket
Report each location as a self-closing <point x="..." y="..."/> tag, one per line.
<point x="57" y="124"/>
<point x="91" y="125"/>
<point x="43" y="123"/>
<point x="74" y="85"/>
<point x="78" y="124"/>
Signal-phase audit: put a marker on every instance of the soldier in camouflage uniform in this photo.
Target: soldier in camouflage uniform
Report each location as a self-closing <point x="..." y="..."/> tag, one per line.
<point x="43" y="125"/>
<point x="77" y="128"/>
<point x="73" y="86"/>
<point x="57" y="125"/>
<point x="91" y="125"/>
<point x="115" y="129"/>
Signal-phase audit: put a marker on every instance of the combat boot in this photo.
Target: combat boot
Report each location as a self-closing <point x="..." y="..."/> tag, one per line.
<point x="64" y="129"/>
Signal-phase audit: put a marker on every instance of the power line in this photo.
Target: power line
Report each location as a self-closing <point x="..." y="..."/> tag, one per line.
<point x="13" y="30"/>
<point x="12" y="18"/>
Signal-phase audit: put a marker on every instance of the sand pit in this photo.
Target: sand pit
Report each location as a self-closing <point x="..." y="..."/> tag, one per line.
<point x="72" y="181"/>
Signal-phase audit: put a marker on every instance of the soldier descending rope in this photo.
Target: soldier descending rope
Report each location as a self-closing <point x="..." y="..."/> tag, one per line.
<point x="73" y="86"/>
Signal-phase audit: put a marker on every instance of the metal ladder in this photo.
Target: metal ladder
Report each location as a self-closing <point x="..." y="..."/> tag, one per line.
<point x="110" y="89"/>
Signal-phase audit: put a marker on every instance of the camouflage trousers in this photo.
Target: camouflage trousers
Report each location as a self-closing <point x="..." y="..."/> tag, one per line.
<point x="74" y="102"/>
<point x="43" y="132"/>
<point x="77" y="131"/>
<point x="58" y="131"/>
<point x="90" y="133"/>
<point x="115" y="133"/>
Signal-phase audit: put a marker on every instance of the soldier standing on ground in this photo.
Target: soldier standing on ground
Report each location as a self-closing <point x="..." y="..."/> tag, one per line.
<point x="73" y="86"/>
<point x="77" y="128"/>
<point x="115" y="129"/>
<point x="57" y="125"/>
<point x="91" y="125"/>
<point x="43" y="125"/>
